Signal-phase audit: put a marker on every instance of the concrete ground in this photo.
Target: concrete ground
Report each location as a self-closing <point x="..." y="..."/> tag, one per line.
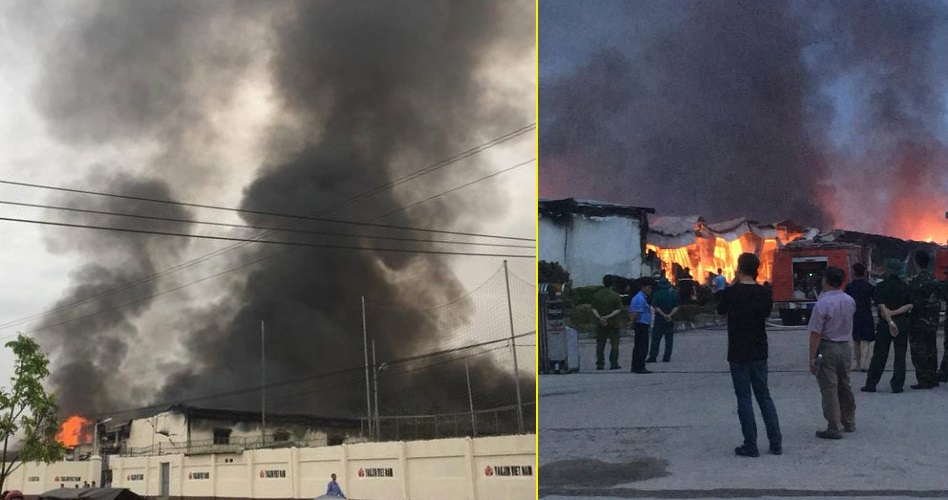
<point x="671" y="434"/>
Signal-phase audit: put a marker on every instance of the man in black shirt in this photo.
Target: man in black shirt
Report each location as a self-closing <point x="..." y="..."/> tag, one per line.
<point x="747" y="306"/>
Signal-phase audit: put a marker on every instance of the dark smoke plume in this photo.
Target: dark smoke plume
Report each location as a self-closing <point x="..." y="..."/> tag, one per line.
<point x="731" y="109"/>
<point x="367" y="91"/>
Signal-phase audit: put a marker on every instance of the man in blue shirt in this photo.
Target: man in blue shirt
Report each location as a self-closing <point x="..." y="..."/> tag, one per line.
<point x="720" y="282"/>
<point x="333" y="490"/>
<point x="641" y="320"/>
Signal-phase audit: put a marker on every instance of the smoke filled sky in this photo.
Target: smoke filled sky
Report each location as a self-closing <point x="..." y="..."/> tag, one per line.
<point x="270" y="106"/>
<point x="834" y="114"/>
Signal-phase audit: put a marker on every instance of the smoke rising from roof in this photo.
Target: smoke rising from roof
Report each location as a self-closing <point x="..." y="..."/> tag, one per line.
<point x="817" y="111"/>
<point x="365" y="92"/>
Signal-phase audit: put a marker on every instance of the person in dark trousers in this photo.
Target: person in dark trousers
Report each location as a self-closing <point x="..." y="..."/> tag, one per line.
<point x="926" y="292"/>
<point x="607" y="308"/>
<point x="831" y="328"/>
<point x="863" y="326"/>
<point x="641" y="312"/>
<point x="747" y="306"/>
<point x="891" y="297"/>
<point x="665" y="305"/>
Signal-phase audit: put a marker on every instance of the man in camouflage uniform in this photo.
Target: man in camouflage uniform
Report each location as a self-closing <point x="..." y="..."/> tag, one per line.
<point x="926" y="293"/>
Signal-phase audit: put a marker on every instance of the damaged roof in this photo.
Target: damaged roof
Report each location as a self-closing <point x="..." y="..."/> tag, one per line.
<point x="668" y="231"/>
<point x="590" y="208"/>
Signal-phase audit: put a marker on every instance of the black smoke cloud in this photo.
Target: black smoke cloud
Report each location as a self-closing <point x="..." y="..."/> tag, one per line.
<point x="368" y="92"/>
<point x="732" y="109"/>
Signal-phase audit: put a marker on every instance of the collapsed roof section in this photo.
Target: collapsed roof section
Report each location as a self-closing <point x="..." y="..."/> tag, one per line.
<point x="678" y="232"/>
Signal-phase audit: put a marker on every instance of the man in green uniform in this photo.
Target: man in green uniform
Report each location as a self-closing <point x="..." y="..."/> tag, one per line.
<point x="607" y="308"/>
<point x="926" y="292"/>
<point x="892" y="298"/>
<point x="665" y="302"/>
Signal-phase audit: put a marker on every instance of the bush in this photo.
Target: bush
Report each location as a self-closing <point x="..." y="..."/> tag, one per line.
<point x="584" y="294"/>
<point x="581" y="318"/>
<point x="705" y="296"/>
<point x="688" y="313"/>
<point x="552" y="272"/>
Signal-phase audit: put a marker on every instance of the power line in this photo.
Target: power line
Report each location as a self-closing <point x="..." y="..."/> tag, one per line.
<point x="269" y="242"/>
<point x="438" y="165"/>
<point x="144" y="280"/>
<point x="462" y="186"/>
<point x="364" y="194"/>
<point x="244" y="226"/>
<point x="251" y="390"/>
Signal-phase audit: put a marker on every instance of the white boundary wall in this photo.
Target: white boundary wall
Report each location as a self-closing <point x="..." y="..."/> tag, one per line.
<point x="34" y="478"/>
<point x="492" y="468"/>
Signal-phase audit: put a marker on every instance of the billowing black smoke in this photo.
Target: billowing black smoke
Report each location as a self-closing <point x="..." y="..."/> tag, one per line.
<point x="369" y="91"/>
<point x="762" y="109"/>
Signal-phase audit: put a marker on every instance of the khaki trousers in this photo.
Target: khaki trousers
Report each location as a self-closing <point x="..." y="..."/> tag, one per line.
<point x="839" y="406"/>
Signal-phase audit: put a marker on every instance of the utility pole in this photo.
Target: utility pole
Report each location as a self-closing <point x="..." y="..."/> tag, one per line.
<point x="513" y="349"/>
<point x="470" y="398"/>
<point x="263" y="385"/>
<point x="375" y="372"/>
<point x="365" y="346"/>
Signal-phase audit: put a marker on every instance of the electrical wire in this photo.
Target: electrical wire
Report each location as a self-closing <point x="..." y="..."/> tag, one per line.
<point x="245" y="226"/>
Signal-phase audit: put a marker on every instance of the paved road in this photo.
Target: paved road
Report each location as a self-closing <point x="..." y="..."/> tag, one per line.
<point x="671" y="434"/>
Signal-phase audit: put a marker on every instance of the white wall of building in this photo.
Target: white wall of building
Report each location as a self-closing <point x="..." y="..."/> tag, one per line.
<point x="592" y="247"/>
<point x="169" y="430"/>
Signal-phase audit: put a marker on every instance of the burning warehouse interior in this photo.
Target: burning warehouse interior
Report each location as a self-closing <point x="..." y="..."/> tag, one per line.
<point x="692" y="247"/>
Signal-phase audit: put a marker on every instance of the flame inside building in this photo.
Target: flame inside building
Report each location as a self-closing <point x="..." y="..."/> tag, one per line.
<point x="703" y="248"/>
<point x="73" y="431"/>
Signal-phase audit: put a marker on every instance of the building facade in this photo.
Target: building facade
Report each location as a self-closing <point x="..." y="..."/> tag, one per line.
<point x="591" y="239"/>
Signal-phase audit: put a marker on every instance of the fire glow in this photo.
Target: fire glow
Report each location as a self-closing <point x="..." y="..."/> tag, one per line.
<point x="705" y="259"/>
<point x="73" y="431"/>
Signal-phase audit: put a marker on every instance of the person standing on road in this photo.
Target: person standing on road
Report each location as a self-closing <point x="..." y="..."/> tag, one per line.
<point x="747" y="306"/>
<point x="831" y="327"/>
<point x="665" y="304"/>
<point x="333" y="489"/>
<point x="720" y="282"/>
<point x="926" y="292"/>
<point x="892" y="299"/>
<point x="641" y="321"/>
<point x="607" y="308"/>
<point x="863" y="328"/>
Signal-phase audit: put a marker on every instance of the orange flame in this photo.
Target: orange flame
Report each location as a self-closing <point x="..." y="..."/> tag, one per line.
<point x="73" y="431"/>
<point x="704" y="260"/>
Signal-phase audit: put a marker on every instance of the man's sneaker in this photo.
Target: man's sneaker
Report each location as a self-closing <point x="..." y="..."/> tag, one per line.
<point x="897" y="390"/>
<point x="600" y="368"/>
<point x="776" y="449"/>
<point x="849" y="429"/>
<point x="868" y="389"/>
<point x="643" y="370"/>
<point x="746" y="451"/>
<point x="828" y="435"/>
<point x="615" y="367"/>
<point x="665" y="360"/>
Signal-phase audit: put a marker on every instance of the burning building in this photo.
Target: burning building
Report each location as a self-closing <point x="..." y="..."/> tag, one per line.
<point x="691" y="243"/>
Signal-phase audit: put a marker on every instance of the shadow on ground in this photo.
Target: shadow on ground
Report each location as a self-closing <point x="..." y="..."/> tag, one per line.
<point x="587" y="472"/>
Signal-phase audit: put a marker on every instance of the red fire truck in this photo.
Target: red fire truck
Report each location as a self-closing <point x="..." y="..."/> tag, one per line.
<point x="798" y="272"/>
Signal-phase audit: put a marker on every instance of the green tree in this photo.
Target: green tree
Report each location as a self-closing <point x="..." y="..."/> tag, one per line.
<point x="28" y="414"/>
